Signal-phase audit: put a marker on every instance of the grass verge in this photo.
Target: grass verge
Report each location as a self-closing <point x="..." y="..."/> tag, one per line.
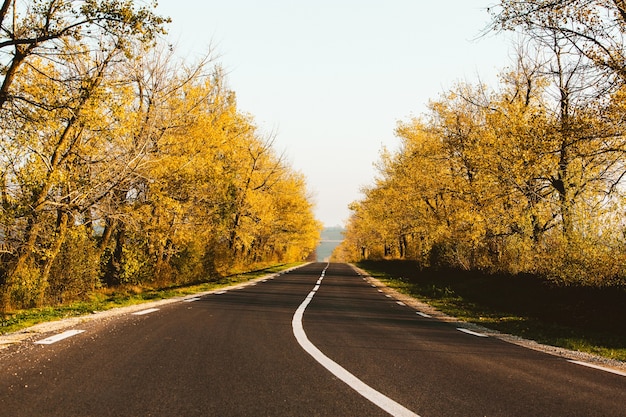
<point x="107" y="299"/>
<point x="579" y="318"/>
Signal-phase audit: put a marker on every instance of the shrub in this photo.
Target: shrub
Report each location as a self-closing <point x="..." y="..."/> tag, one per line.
<point x="74" y="273"/>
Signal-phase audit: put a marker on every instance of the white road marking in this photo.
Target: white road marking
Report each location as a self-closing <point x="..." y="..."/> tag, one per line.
<point x="142" y="312"/>
<point x="53" y="339"/>
<point x="380" y="290"/>
<point x="379" y="399"/>
<point x="190" y="300"/>
<point x="400" y="303"/>
<point x="387" y="295"/>
<point x="471" y="332"/>
<point x="419" y="313"/>
<point x="220" y="292"/>
<point x="602" y="368"/>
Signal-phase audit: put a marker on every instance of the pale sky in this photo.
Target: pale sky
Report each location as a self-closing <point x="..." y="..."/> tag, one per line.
<point x="331" y="78"/>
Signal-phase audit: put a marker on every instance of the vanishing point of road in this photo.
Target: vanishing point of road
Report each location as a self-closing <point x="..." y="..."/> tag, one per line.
<point x="320" y="340"/>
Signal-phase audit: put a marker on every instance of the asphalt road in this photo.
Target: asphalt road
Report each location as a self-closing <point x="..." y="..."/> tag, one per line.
<point x="236" y="354"/>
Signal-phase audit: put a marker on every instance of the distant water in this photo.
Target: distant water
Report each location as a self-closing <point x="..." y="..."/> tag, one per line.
<point x="331" y="238"/>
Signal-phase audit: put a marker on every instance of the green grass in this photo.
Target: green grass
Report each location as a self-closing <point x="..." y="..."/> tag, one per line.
<point x="107" y="299"/>
<point x="578" y="318"/>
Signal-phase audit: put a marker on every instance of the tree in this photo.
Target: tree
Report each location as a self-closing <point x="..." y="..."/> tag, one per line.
<point x="52" y="170"/>
<point x="57" y="63"/>
<point x="44" y="28"/>
<point x="121" y="164"/>
<point x="161" y="144"/>
<point x="521" y="178"/>
<point x="594" y="28"/>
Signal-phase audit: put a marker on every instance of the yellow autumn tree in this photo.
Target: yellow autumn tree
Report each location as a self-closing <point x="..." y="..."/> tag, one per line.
<point x="523" y="178"/>
<point x="121" y="164"/>
<point x="195" y="206"/>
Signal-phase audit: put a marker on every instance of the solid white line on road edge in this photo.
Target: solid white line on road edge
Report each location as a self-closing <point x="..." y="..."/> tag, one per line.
<point x="142" y="312"/>
<point x="381" y="400"/>
<point x="601" y="368"/>
<point x="53" y="339"/>
<point x="471" y="332"/>
<point x="419" y="313"/>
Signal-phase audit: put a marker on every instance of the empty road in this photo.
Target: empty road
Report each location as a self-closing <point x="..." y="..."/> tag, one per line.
<point x="317" y="341"/>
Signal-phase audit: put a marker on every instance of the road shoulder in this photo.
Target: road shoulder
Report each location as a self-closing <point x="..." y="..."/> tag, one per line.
<point x="530" y="344"/>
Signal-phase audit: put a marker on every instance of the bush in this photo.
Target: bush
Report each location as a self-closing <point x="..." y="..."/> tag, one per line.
<point x="579" y="262"/>
<point x="74" y="273"/>
<point x="25" y="289"/>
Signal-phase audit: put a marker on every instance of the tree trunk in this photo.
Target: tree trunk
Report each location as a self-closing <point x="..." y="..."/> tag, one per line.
<point x="114" y="266"/>
<point x="60" y="235"/>
<point x="109" y="228"/>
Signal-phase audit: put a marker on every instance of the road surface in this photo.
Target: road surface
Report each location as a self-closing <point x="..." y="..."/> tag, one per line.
<point x="317" y="341"/>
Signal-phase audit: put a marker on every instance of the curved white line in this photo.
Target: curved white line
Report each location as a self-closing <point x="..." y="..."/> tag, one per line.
<point x="382" y="401"/>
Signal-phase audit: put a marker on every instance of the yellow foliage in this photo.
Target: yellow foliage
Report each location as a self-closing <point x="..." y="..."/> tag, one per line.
<point x="497" y="180"/>
<point x="172" y="181"/>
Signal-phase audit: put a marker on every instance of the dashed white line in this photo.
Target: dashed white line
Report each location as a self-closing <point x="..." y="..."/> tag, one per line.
<point x="419" y="313"/>
<point x="400" y="303"/>
<point x="220" y="292"/>
<point x="471" y="332"/>
<point x="190" y="300"/>
<point x="601" y="368"/>
<point x="147" y="311"/>
<point x="53" y="339"/>
<point x="381" y="400"/>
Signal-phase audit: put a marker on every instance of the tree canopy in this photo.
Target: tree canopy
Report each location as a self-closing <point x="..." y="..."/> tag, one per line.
<point x="526" y="176"/>
<point x="123" y="164"/>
